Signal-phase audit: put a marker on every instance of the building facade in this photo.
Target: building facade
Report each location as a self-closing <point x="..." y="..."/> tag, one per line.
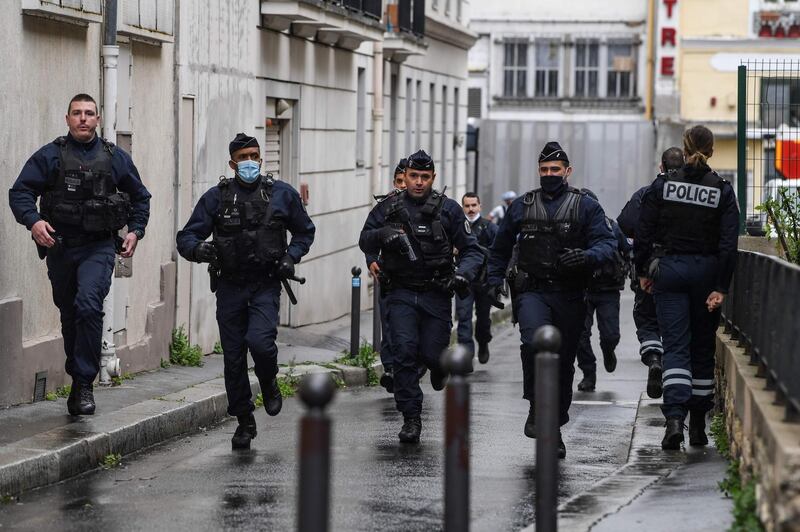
<point x="541" y="72"/>
<point x="300" y="75"/>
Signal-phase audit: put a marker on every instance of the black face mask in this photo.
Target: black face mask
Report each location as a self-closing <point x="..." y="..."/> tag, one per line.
<point x="551" y="183"/>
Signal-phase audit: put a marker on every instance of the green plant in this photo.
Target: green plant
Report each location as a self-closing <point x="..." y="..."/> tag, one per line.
<point x="338" y="381"/>
<point x="783" y="217"/>
<point x="259" y="402"/>
<point x="7" y="498"/>
<point x="217" y="348"/>
<point x="64" y="391"/>
<point x="165" y="363"/>
<point x="288" y="384"/>
<point x="365" y="358"/>
<point x="181" y="352"/>
<point x="720" y="435"/>
<point x="111" y="461"/>
<point x="50" y="396"/>
<point x="119" y="379"/>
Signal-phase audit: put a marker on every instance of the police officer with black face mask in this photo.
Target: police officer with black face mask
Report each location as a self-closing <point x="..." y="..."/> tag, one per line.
<point x="685" y="254"/>
<point x="89" y="190"/>
<point x="644" y="307"/>
<point x="415" y="231"/>
<point x="248" y="217"/>
<point x="602" y="298"/>
<point x="561" y="235"/>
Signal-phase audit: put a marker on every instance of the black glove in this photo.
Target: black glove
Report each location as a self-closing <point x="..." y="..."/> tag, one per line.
<point x="460" y="285"/>
<point x="391" y="238"/>
<point x="495" y="293"/>
<point x="572" y="259"/>
<point x="205" y="252"/>
<point x="285" y="268"/>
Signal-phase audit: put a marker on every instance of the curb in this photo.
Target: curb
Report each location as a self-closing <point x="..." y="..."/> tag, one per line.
<point x="64" y="452"/>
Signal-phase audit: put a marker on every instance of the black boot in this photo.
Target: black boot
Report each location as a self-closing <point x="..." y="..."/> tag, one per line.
<point x="81" y="400"/>
<point x="697" y="428"/>
<point x="245" y="432"/>
<point x="588" y="382"/>
<point x="609" y="358"/>
<point x="655" y="369"/>
<point x="530" y="423"/>
<point x="483" y="353"/>
<point x="273" y="401"/>
<point x="673" y="436"/>
<point x="562" y="449"/>
<point x="438" y="379"/>
<point x="387" y="380"/>
<point x="412" y="427"/>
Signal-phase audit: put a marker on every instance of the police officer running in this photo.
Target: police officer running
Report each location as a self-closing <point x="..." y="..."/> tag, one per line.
<point x="248" y="216"/>
<point x="89" y="190"/>
<point x="644" y="307"/>
<point x="374" y="265"/>
<point x="685" y="253"/>
<point x="415" y="231"/>
<point x="484" y="231"/>
<point x="562" y="235"/>
<point x="602" y="297"/>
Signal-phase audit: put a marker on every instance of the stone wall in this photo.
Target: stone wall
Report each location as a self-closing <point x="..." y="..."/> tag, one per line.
<point x="767" y="445"/>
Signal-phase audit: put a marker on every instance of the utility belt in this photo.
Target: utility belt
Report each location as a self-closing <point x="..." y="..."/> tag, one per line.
<point x="521" y="281"/>
<point x="63" y="242"/>
<point x="437" y="284"/>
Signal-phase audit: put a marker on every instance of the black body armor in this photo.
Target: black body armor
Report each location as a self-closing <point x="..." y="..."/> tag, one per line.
<point x="429" y="240"/>
<point x="612" y="274"/>
<point x="83" y="197"/>
<point x="543" y="239"/>
<point x="690" y="214"/>
<point x="249" y="236"/>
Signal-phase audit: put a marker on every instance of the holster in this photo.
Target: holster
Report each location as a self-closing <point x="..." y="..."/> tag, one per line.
<point x="213" y="274"/>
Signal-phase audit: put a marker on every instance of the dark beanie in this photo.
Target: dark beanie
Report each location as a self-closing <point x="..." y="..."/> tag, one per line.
<point x="420" y="161"/>
<point x="401" y="166"/>
<point x="242" y="141"/>
<point x="553" y="151"/>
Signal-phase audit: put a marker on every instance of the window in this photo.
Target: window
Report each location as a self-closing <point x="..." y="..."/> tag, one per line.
<point x="361" y="116"/>
<point x="780" y="102"/>
<point x="418" y="118"/>
<point x="431" y="115"/>
<point x="621" y="75"/>
<point x="587" y="69"/>
<point x="443" y="154"/>
<point x="547" y="65"/>
<point x="474" y="102"/>
<point x="393" y="158"/>
<point x="409" y="113"/>
<point x="515" y="69"/>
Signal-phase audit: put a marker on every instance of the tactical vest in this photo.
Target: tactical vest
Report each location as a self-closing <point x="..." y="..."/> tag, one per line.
<point x="542" y="239"/>
<point x="428" y="239"/>
<point x="690" y="215"/>
<point x="83" y="196"/>
<point x="249" y="236"/>
<point x="611" y="274"/>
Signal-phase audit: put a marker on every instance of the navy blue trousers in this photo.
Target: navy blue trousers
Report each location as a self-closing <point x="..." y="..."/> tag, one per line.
<point x="387" y="358"/>
<point x="81" y="278"/>
<point x="420" y="328"/>
<point x="682" y="285"/>
<point x="606" y="305"/>
<point x="247" y="315"/>
<point x="479" y="301"/>
<point x="567" y="312"/>
<point x="646" y="320"/>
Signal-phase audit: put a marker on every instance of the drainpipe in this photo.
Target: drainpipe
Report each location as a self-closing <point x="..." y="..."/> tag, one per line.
<point x="109" y="363"/>
<point x="651" y="59"/>
<point x="378" y="182"/>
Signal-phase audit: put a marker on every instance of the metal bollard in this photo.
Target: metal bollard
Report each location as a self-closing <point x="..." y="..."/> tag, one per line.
<point x="355" y="311"/>
<point x="547" y="341"/>
<point x="457" y="362"/>
<point x="376" y="315"/>
<point x="316" y="391"/>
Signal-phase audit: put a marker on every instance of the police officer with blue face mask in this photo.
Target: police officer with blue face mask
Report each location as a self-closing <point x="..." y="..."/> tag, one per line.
<point x="685" y="254"/>
<point x="561" y="235"/>
<point x="248" y="217"/>
<point x="415" y="231"/>
<point x="89" y="189"/>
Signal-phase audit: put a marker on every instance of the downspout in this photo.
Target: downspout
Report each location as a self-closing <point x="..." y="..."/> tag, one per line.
<point x="109" y="363"/>
<point x="651" y="37"/>
<point x="377" y="118"/>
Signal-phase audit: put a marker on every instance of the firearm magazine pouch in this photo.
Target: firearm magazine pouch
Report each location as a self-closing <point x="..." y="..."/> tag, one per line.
<point x="108" y="213"/>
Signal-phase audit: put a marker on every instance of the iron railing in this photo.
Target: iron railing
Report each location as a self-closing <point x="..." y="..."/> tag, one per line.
<point x="762" y="312"/>
<point x="369" y="8"/>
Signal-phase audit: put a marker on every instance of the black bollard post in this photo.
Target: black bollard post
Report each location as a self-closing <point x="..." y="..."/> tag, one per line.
<point x="457" y="362"/>
<point x="547" y="341"/>
<point x="355" y="311"/>
<point x="316" y="391"/>
<point x="376" y="315"/>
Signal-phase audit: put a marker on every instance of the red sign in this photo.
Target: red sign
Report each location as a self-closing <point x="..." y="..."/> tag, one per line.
<point x="787" y="158"/>
<point x="669" y="37"/>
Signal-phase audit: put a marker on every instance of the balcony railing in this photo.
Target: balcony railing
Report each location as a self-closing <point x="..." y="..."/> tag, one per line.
<point x="411" y="16"/>
<point x="370" y="8"/>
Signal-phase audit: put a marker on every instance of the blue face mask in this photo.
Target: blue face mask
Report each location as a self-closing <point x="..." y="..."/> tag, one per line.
<point x="248" y="171"/>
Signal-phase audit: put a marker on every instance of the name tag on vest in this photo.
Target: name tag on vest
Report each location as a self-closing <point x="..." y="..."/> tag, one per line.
<point x="692" y="193"/>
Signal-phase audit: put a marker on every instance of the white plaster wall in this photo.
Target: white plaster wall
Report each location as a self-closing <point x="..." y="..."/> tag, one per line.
<point x="592" y="10"/>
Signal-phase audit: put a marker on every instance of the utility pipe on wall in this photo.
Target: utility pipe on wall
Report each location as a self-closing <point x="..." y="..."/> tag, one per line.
<point x="378" y="183"/>
<point x="109" y="363"/>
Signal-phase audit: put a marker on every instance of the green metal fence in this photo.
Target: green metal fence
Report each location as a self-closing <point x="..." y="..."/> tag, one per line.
<point x="768" y="136"/>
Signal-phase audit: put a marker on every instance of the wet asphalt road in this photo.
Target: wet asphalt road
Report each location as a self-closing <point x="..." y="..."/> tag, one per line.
<point x="198" y="483"/>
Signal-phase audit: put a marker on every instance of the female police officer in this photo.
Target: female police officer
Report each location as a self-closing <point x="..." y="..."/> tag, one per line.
<point x="686" y="247"/>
